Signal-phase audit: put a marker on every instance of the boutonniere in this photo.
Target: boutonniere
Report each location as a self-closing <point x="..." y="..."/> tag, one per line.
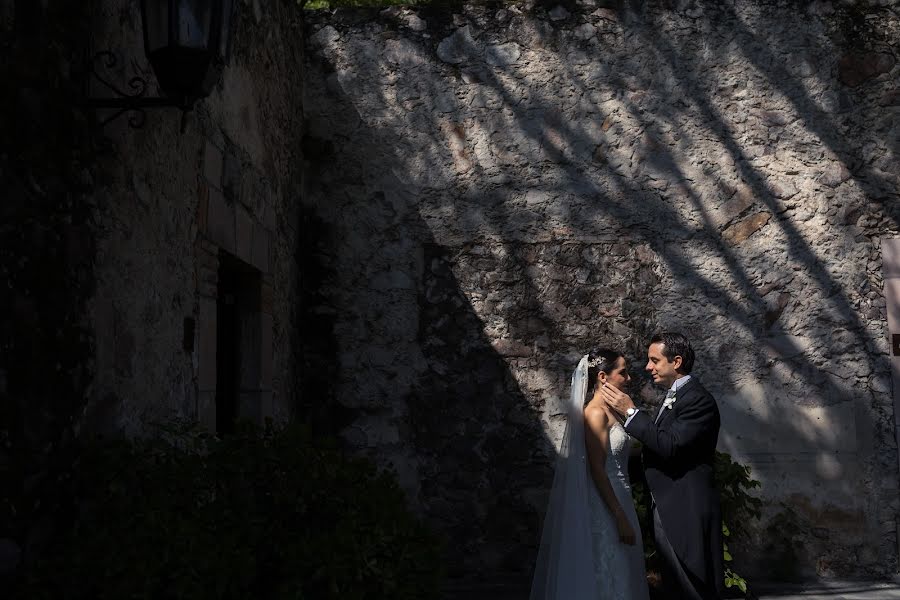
<point x="669" y="402"/>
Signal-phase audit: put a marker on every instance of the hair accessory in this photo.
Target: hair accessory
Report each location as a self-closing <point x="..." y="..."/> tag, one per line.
<point x="593" y="363"/>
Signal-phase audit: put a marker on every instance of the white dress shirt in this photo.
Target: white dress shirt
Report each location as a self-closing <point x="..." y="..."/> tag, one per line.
<point x="677" y="384"/>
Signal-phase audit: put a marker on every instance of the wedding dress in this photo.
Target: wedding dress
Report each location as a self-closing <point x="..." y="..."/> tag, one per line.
<point x="619" y="568"/>
<point x="581" y="557"/>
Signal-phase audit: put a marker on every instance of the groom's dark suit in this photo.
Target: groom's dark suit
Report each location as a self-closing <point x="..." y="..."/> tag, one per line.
<point x="678" y="452"/>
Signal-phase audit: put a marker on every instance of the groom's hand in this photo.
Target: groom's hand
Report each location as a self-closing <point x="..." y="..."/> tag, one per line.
<point x="615" y="398"/>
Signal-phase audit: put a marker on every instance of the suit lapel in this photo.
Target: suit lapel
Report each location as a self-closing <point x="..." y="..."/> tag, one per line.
<point x="663" y="414"/>
<point x="683" y="393"/>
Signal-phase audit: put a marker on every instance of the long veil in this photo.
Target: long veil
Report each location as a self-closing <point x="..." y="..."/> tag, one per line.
<point x="565" y="562"/>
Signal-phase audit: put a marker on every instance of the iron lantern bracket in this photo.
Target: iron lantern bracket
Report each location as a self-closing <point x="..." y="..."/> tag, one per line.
<point x="133" y="101"/>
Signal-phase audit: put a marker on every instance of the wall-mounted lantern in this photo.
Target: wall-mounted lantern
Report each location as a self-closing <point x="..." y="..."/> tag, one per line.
<point x="186" y="42"/>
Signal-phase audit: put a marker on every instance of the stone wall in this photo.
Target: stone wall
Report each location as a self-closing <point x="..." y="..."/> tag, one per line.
<point x="501" y="188"/>
<point x="172" y="205"/>
<point x="112" y="240"/>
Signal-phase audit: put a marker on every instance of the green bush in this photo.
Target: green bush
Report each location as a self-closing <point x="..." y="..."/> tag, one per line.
<point x="269" y="514"/>
<point x="734" y="483"/>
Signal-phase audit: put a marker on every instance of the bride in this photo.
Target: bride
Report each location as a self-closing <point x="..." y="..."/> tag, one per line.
<point x="591" y="545"/>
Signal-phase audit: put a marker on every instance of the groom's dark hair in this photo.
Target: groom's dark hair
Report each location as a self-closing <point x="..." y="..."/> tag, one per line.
<point x="675" y="344"/>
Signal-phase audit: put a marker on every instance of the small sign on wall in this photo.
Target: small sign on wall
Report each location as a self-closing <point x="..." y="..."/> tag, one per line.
<point x="895" y="344"/>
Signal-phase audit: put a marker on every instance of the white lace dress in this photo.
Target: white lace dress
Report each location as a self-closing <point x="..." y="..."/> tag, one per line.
<point x="619" y="568"/>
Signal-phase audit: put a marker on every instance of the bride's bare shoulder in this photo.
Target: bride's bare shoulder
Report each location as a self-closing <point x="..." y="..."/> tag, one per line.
<point x="597" y="416"/>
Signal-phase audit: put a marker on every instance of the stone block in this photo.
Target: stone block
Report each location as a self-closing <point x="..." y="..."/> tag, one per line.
<point x="202" y="206"/>
<point x="244" y="234"/>
<point x="501" y="55"/>
<point x="206" y="345"/>
<point x="206" y="256"/>
<point x="585" y="31"/>
<point x="220" y="221"/>
<point x="854" y="69"/>
<point x="743" y="229"/>
<point x="735" y="206"/>
<point x="266" y="405"/>
<point x="786" y="346"/>
<point x="261" y="249"/>
<point x="255" y="406"/>
<point x="892" y="295"/>
<point x="231" y="176"/>
<point x="890" y="98"/>
<point x="207" y="281"/>
<point x="103" y="320"/>
<point x="835" y="175"/>
<point x="249" y="351"/>
<point x="212" y="165"/>
<point x="404" y="53"/>
<point x="209" y="246"/>
<point x="207" y="289"/>
<point x="206" y="410"/>
<point x="269" y="218"/>
<point x="266" y="351"/>
<point x="265" y="297"/>
<point x="507" y="347"/>
<point x="783" y="189"/>
<point x="890" y="257"/>
<point x="414" y="22"/>
<point x="559" y="13"/>
<point x="125" y="349"/>
<point x="458" y="47"/>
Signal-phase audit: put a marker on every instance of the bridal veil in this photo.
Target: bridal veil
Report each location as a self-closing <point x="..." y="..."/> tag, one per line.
<point x="565" y="562"/>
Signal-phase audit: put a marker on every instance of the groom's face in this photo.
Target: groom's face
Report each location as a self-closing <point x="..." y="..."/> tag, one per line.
<point x="664" y="372"/>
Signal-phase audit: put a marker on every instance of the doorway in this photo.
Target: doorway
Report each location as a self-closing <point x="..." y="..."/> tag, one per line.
<point x="237" y="340"/>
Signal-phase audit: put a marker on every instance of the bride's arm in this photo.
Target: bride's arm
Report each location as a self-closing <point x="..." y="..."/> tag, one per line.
<point x="596" y="439"/>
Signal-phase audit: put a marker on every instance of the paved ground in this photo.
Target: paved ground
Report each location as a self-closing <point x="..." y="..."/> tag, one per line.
<point x="832" y="590"/>
<point x="826" y="590"/>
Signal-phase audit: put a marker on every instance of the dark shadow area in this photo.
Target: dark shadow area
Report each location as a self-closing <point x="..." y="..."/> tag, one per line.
<point x="47" y="251"/>
<point x="317" y="314"/>
<point x="473" y="433"/>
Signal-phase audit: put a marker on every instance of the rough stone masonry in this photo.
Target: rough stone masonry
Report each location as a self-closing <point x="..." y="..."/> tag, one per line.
<point x="505" y="187"/>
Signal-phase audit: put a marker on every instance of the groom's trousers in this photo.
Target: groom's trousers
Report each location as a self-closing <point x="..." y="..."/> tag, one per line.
<point x="678" y="583"/>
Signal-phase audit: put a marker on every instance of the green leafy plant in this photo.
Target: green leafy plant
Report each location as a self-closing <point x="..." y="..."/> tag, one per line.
<point x="732" y="579"/>
<point x="739" y="507"/>
<point x="258" y="514"/>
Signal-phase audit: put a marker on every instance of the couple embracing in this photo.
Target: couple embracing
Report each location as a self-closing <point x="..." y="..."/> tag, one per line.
<point x="591" y="544"/>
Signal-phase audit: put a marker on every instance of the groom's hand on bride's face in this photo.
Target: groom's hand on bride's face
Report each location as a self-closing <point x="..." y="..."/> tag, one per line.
<point x="615" y="398"/>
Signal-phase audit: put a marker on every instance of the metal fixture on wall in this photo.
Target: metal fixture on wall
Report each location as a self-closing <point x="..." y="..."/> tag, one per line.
<point x="187" y="43"/>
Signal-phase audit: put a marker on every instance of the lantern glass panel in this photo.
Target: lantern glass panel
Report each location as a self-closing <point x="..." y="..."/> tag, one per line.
<point x="156" y="24"/>
<point x="194" y="23"/>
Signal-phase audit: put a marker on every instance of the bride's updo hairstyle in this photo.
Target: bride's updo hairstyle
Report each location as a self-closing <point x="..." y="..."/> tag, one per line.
<point x="600" y="359"/>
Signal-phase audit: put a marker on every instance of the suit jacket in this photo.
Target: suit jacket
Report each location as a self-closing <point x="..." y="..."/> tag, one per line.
<point x="678" y="453"/>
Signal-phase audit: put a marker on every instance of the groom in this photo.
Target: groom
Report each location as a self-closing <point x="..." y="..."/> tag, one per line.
<point x="679" y="444"/>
